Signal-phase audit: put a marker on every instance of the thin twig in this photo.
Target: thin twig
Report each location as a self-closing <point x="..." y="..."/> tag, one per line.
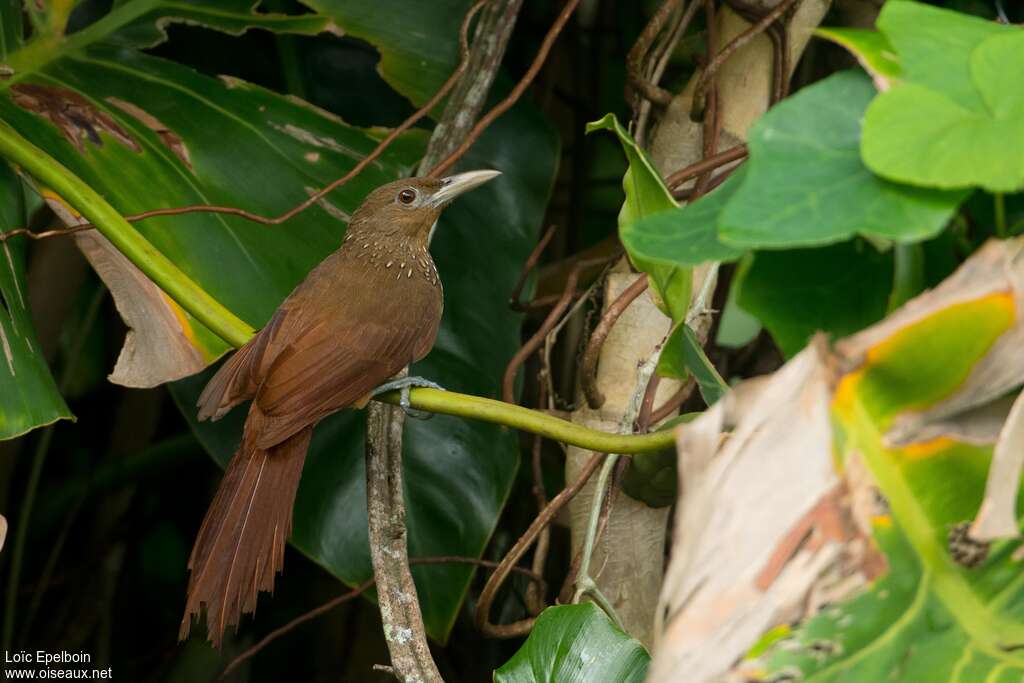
<point x="689" y="193"/>
<point x="588" y="364"/>
<point x="660" y="65"/>
<point x="316" y="196"/>
<point x="712" y="119"/>
<point x="513" y="96"/>
<point x="599" y="514"/>
<point x="706" y="165"/>
<point x="673" y="402"/>
<point x="507" y="563"/>
<point x="643" y="418"/>
<point x="531" y="262"/>
<point x="549" y="341"/>
<point x="535" y="596"/>
<point x="635" y="59"/>
<point x="534" y="342"/>
<point x="296" y="622"/>
<point x="350" y="595"/>
<point x="700" y="94"/>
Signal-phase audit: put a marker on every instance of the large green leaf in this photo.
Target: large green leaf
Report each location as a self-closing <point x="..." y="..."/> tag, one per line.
<point x="28" y="394"/>
<point x="149" y="133"/>
<point x="418" y="41"/>
<point x="933" y="46"/>
<point x="952" y="116"/>
<point x="10" y="27"/>
<point x="157" y="134"/>
<point x="807" y="185"/>
<point x="927" y="136"/>
<point x="576" y="644"/>
<point x="840" y="289"/>
<point x="148" y="19"/>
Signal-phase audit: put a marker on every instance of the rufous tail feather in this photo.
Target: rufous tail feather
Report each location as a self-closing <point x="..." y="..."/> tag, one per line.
<point x="240" y="546"/>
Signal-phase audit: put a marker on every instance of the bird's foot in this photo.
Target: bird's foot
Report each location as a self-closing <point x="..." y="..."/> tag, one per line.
<point x="403" y="384"/>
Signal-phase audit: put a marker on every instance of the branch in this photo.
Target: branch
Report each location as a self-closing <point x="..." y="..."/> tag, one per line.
<point x="513" y="97"/>
<point x="489" y="43"/>
<point x="396" y="591"/>
<point x="534" y="421"/>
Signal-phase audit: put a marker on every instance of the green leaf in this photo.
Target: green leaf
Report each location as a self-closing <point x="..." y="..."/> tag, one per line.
<point x="149" y="19"/>
<point x="575" y="644"/>
<point x="647" y="195"/>
<point x="652" y="478"/>
<point x="418" y="41"/>
<point x="839" y="289"/>
<point x="933" y="137"/>
<point x="684" y="354"/>
<point x="152" y="133"/>
<point x="807" y="185"/>
<point x="10" y="27"/>
<point x="686" y="236"/>
<point x="934" y="46"/>
<point x="28" y="394"/>
<point x="872" y="50"/>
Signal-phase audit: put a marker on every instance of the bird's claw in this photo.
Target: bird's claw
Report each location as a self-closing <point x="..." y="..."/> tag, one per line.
<point x="403" y="384"/>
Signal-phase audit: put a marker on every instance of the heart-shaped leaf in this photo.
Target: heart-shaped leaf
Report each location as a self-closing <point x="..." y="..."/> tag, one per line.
<point x="573" y="644"/>
<point x="807" y="185"/>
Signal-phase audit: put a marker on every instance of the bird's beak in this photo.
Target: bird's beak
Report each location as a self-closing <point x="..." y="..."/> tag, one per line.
<point x="454" y="185"/>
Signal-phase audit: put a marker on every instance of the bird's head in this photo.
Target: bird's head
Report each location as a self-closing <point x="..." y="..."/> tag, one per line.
<point x="409" y="208"/>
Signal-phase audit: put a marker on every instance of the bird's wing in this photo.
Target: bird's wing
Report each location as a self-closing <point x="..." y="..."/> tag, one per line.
<point x="239" y="377"/>
<point x="336" y="362"/>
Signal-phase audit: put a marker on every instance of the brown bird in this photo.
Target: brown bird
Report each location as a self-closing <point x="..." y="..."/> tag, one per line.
<point x="362" y="315"/>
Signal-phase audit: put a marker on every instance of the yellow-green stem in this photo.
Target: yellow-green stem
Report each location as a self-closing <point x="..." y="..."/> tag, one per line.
<point x="124" y="237"/>
<point x="534" y="421"/>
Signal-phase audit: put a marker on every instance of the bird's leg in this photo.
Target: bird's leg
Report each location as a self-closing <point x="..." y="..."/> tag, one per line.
<point x="404" y="384"/>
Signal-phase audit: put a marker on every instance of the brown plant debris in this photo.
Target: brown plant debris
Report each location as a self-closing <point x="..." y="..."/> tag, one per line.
<point x="169" y="138"/>
<point x="77" y="118"/>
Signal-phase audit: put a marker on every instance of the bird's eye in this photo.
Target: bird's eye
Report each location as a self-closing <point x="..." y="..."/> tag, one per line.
<point x="407" y="196"/>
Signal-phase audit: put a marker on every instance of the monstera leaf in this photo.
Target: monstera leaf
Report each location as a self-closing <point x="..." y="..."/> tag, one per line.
<point x="146" y="133"/>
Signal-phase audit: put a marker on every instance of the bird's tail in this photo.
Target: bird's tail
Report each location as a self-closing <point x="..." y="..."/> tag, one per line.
<point x="240" y="546"/>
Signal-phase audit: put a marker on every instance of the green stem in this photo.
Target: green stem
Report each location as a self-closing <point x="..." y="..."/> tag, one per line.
<point x="908" y="274"/>
<point x="999" y="199"/>
<point x="584" y="582"/>
<point x="534" y="421"/>
<point x="124" y="237"/>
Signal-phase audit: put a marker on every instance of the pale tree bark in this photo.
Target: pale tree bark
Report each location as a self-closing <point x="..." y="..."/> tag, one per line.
<point x="629" y="557"/>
